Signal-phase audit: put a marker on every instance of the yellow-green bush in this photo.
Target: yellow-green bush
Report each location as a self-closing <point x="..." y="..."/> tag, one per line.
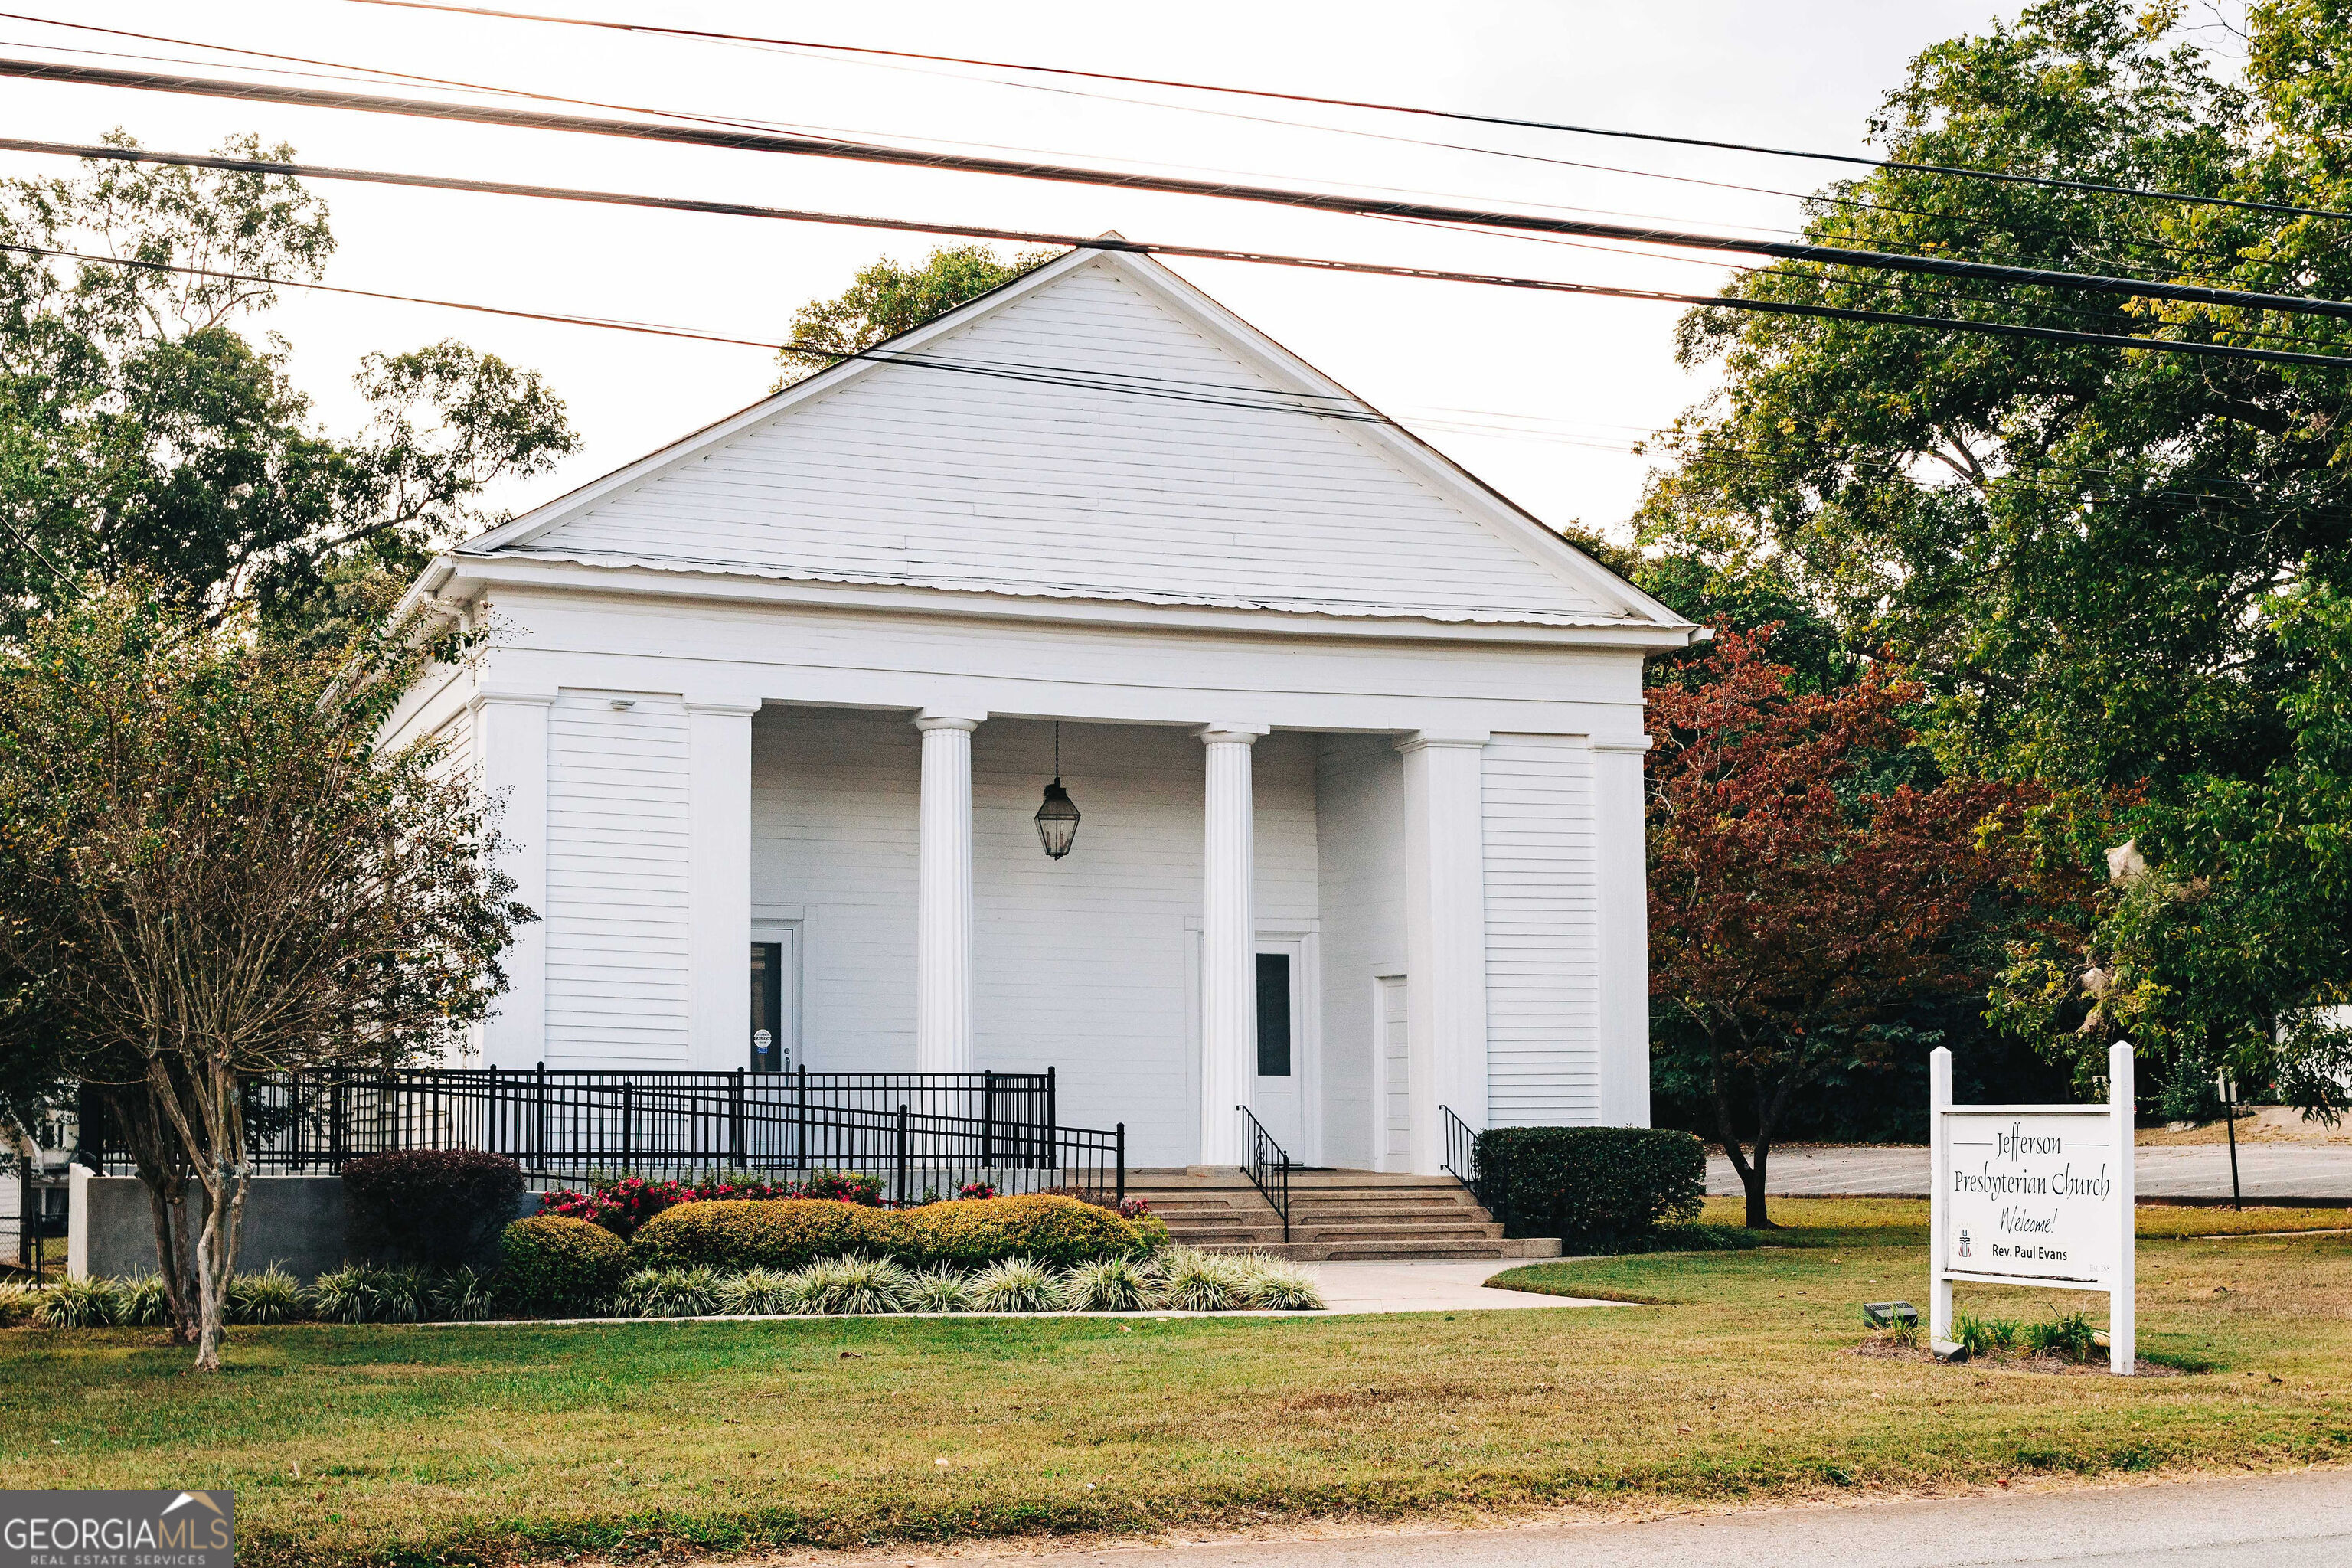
<point x="549" y="1263"/>
<point x="735" y="1234"/>
<point x="972" y="1232"/>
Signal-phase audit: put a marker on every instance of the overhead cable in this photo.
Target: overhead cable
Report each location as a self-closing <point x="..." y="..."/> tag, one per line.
<point x="1194" y="252"/>
<point x="883" y="152"/>
<point x="1857" y="159"/>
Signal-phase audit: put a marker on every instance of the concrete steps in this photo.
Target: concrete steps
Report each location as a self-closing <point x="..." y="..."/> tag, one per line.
<point x="1335" y="1216"/>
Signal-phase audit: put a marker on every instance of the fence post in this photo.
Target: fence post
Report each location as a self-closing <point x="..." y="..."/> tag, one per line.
<point x="800" y="1116"/>
<point x="490" y="1114"/>
<point x="540" y="1116"/>
<point x="902" y="1155"/>
<point x="987" y="1121"/>
<point x="735" y="1130"/>
<point x="628" y="1123"/>
<point x="1053" y="1118"/>
<point x="334" y="1122"/>
<point x="1122" y="1164"/>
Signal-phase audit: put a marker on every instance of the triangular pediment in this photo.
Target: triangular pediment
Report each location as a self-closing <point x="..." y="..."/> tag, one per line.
<point x="1098" y="430"/>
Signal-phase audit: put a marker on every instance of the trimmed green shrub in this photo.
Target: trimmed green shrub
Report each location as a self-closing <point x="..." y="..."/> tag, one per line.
<point x="972" y="1232"/>
<point x="1599" y="1189"/>
<point x="554" y="1265"/>
<point x="732" y="1234"/>
<point x="439" y="1207"/>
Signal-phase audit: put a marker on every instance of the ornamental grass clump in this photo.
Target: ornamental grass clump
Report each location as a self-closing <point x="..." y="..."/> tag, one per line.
<point x="859" y="1286"/>
<point x="146" y="1303"/>
<point x="1016" y="1284"/>
<point x="81" y="1304"/>
<point x="21" y="1302"/>
<point x="1110" y="1285"/>
<point x="937" y="1290"/>
<point x="272" y="1296"/>
<point x="1195" y="1281"/>
<point x="463" y="1295"/>
<point x="2067" y="1335"/>
<point x="337" y="1295"/>
<point x="802" y="1292"/>
<point x="1274" y="1284"/>
<point x="756" y="1292"/>
<point x="667" y="1293"/>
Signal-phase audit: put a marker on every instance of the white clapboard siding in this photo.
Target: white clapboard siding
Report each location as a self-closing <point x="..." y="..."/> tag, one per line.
<point x="940" y="478"/>
<point x="616" y="882"/>
<point x="1542" y="958"/>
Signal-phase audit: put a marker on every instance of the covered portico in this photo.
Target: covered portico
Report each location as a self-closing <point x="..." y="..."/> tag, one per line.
<point x="1357" y="747"/>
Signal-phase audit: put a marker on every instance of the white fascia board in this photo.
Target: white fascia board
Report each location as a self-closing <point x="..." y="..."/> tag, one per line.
<point x="1441" y="473"/>
<point x="523" y="529"/>
<point x="468" y="576"/>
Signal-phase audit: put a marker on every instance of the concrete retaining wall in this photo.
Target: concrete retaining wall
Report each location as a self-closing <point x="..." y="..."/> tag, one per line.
<point x="297" y="1221"/>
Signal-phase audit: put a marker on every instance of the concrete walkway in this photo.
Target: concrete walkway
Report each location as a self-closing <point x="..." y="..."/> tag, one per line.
<point x="2300" y="1521"/>
<point x="2273" y="1171"/>
<point x="1355" y="1288"/>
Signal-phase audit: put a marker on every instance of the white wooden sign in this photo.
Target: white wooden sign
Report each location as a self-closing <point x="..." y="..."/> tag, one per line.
<point x="2033" y="1194"/>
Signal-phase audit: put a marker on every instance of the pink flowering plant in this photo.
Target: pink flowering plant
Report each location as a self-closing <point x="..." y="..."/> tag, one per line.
<point x="621" y="1204"/>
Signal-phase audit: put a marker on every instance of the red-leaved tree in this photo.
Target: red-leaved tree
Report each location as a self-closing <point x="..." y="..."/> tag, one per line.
<point x="1798" y="905"/>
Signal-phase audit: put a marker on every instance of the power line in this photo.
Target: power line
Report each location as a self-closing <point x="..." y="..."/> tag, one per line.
<point x="880" y="152"/>
<point x="1204" y="253"/>
<point x="1857" y="159"/>
<point x="353" y="71"/>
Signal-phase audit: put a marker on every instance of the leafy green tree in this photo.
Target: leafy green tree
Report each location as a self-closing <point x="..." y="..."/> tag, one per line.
<point x="2090" y="558"/>
<point x="141" y="430"/>
<point x="887" y="299"/>
<point x="210" y="868"/>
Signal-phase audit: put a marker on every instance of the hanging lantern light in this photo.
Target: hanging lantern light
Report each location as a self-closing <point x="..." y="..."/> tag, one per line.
<point x="1057" y="819"/>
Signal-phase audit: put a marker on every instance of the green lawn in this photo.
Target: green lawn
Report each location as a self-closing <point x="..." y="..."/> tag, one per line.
<point x="497" y="1444"/>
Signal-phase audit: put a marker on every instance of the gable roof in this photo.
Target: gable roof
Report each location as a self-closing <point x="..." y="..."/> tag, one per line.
<point x="1097" y="430"/>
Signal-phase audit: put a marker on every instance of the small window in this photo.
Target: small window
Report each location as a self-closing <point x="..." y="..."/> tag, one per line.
<point x="1274" y="1014"/>
<point x="768" y="1006"/>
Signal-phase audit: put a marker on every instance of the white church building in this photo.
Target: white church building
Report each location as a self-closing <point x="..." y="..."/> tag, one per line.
<point x="1355" y="745"/>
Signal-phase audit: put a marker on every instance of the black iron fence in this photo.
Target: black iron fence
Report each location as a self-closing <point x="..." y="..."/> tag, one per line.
<point x="916" y="1132"/>
<point x="1268" y="1165"/>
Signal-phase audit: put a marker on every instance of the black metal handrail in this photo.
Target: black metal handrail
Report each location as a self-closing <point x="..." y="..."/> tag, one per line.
<point x="935" y="1131"/>
<point x="1268" y="1165"/>
<point x="1461" y="1160"/>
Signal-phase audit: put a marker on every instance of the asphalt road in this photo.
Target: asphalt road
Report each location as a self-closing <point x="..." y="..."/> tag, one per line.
<point x="2195" y="1171"/>
<point x="2301" y="1521"/>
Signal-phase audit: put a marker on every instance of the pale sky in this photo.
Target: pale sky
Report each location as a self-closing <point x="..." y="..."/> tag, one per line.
<point x="1538" y="394"/>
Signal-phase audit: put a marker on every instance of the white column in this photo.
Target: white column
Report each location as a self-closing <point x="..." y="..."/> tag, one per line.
<point x="1623" y="905"/>
<point x="718" y="882"/>
<point x="511" y="750"/>
<point x="1444" y="937"/>
<point x="943" y="1039"/>
<point x="1228" y="943"/>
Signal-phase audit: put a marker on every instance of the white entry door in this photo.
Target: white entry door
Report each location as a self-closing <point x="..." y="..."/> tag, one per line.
<point x="1396" y="1084"/>
<point x="1279" y="1095"/>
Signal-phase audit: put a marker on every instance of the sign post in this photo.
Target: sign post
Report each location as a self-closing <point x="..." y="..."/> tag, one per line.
<point x="2033" y="1194"/>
